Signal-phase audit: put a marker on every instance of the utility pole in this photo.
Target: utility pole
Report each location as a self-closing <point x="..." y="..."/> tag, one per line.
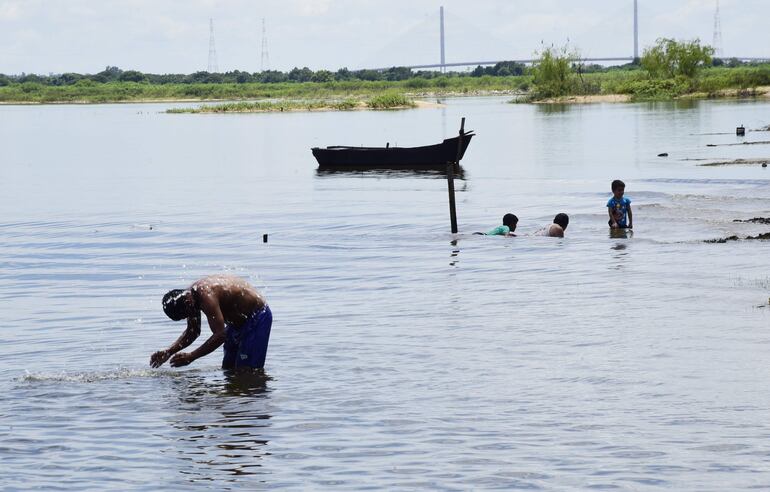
<point x="212" y="68"/>
<point x="443" y="60"/>
<point x="265" y="60"/>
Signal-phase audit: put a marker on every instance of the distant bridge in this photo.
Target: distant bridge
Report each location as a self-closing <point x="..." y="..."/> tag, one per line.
<point x="530" y="61"/>
<point x="443" y="65"/>
<point x="477" y="63"/>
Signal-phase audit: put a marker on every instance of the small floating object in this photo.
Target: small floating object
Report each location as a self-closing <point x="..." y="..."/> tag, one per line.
<point x="764" y="164"/>
<point x="663" y="154"/>
<point x="740" y="131"/>
<point x="711" y="145"/>
<point x="264" y="238"/>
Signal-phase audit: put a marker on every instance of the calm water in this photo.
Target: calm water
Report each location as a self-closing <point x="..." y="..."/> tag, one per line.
<point x="399" y="359"/>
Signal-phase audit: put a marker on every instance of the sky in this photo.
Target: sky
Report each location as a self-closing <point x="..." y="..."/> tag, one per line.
<point x="172" y="36"/>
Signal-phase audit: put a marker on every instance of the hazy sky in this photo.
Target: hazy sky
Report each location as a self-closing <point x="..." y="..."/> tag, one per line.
<point x="172" y="36"/>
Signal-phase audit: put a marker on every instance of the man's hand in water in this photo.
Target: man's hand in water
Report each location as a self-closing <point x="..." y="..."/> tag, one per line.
<point x="181" y="359"/>
<point x="158" y="358"/>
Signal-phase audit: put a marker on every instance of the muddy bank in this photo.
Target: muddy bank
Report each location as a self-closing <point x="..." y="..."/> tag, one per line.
<point x="764" y="236"/>
<point x="596" y="98"/>
<point x="759" y="91"/>
<point x="755" y="220"/>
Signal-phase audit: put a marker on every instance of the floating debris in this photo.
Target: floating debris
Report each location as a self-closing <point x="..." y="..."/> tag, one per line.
<point x="663" y="154"/>
<point x="743" y="162"/>
<point x="758" y="142"/>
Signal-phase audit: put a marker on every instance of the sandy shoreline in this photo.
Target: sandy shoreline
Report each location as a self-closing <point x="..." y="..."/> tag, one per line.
<point x="761" y="91"/>
<point x="420" y="102"/>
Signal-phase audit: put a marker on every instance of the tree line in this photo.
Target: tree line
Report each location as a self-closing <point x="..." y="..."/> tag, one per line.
<point x="115" y="74"/>
<point x="501" y="69"/>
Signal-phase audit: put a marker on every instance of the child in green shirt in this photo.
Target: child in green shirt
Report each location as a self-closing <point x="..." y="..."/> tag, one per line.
<point x="509" y="225"/>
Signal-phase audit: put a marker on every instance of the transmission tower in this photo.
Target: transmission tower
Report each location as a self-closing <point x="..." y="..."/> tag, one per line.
<point x="265" y="60"/>
<point x="213" y="68"/>
<point x="717" y="41"/>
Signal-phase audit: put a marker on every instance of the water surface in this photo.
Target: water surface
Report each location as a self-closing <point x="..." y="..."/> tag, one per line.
<point x="401" y="357"/>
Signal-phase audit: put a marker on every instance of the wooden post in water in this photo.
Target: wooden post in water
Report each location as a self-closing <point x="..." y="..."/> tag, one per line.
<point x="450" y="178"/>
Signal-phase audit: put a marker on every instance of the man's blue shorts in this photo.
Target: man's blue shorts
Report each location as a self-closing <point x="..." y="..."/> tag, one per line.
<point x="247" y="346"/>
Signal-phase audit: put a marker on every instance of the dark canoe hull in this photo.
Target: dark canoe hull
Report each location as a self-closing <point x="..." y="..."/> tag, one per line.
<point x="406" y="158"/>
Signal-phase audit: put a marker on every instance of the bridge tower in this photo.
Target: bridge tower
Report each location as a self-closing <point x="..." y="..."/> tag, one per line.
<point x="212" y="68"/>
<point x="717" y="41"/>
<point x="636" y="31"/>
<point x="443" y="60"/>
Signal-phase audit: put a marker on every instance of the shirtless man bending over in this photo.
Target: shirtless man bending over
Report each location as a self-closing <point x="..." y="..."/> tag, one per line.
<point x="238" y="316"/>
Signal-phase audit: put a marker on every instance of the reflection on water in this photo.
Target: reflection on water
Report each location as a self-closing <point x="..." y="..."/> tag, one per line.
<point x="554" y="108"/>
<point x="621" y="233"/>
<point x="246" y="382"/>
<point x="367" y="171"/>
<point x="222" y="423"/>
<point x="455" y="253"/>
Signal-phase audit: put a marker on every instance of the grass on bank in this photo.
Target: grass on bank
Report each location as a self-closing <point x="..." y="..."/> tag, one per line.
<point x="387" y="100"/>
<point x="269" y="106"/>
<point x="86" y="91"/>
<point x="636" y="83"/>
<point x="710" y="82"/>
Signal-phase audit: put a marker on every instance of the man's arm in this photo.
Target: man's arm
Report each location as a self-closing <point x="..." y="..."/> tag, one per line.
<point x="630" y="217"/>
<point x="190" y="334"/>
<point x="210" y="307"/>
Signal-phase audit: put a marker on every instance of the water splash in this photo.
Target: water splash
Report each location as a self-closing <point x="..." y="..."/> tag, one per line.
<point x="95" y="376"/>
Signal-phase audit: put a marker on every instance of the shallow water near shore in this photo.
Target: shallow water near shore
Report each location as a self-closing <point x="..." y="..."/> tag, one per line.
<point x="401" y="356"/>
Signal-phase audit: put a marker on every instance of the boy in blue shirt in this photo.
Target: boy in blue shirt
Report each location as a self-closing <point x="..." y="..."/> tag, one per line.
<point x="619" y="208"/>
<point x="509" y="225"/>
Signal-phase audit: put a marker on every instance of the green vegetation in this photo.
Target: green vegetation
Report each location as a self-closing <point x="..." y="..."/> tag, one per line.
<point x="388" y="100"/>
<point x="708" y="82"/>
<point x="91" y="92"/>
<point x="268" y="106"/>
<point x="670" y="58"/>
<point x="553" y="74"/>
<point x="670" y="69"/>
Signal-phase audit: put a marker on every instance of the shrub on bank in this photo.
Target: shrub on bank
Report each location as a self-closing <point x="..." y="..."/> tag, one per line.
<point x="390" y="100"/>
<point x="553" y="73"/>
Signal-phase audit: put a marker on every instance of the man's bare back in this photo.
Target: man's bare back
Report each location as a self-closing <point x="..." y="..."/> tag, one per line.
<point x="236" y="298"/>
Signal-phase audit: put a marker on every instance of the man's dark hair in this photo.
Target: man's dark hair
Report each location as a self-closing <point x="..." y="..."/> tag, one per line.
<point x="510" y="220"/>
<point x="562" y="220"/>
<point x="617" y="184"/>
<point x="174" y="304"/>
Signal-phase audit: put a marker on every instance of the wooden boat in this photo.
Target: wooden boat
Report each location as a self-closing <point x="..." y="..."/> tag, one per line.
<point x="429" y="157"/>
